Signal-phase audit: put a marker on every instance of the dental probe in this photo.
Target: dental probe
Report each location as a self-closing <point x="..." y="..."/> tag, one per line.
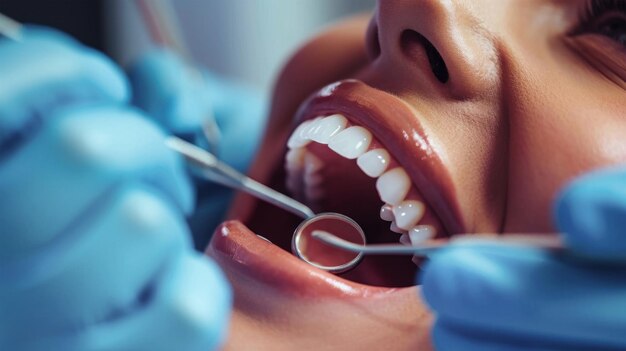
<point x="216" y="171"/>
<point x="164" y="30"/>
<point x="550" y="242"/>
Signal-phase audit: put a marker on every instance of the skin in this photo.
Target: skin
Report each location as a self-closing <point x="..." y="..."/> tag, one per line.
<point x="527" y="107"/>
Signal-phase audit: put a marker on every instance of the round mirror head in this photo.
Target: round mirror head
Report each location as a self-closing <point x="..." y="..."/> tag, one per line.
<point x="322" y="255"/>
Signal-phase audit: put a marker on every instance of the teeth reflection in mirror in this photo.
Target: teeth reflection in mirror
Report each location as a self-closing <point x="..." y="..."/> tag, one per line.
<point x="298" y="138"/>
<point x="328" y="127"/>
<point x="351" y="142"/>
<point x="374" y="162"/>
<point x="421" y="233"/>
<point x="408" y="213"/>
<point x="393" y="186"/>
<point x="386" y="213"/>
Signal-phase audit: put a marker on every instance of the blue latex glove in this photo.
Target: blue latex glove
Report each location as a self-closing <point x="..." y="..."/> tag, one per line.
<point x="180" y="99"/>
<point x="507" y="298"/>
<point x="94" y="249"/>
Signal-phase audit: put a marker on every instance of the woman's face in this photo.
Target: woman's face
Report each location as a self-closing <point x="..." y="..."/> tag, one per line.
<point x="488" y="106"/>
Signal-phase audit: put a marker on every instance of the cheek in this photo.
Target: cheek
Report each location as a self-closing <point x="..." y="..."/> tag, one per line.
<point x="552" y="141"/>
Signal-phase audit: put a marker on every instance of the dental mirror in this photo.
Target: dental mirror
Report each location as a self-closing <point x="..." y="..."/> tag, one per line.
<point x="322" y="255"/>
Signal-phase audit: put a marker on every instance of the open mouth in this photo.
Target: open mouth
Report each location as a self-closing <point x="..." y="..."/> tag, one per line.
<point x="360" y="152"/>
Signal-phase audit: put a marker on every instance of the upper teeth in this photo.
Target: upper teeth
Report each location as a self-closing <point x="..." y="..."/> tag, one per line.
<point x="408" y="213"/>
<point x="299" y="136"/>
<point x="393" y="185"/>
<point x="328" y="127"/>
<point x="374" y="162"/>
<point x="353" y="142"/>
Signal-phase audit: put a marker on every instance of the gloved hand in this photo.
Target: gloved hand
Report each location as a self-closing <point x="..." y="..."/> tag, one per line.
<point x="181" y="99"/>
<point x="509" y="298"/>
<point x="94" y="249"/>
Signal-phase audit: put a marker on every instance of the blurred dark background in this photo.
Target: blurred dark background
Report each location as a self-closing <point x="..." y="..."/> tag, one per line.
<point x="245" y="40"/>
<point x="83" y="19"/>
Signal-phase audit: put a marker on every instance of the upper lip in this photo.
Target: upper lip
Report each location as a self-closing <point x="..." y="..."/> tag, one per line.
<point x="394" y="124"/>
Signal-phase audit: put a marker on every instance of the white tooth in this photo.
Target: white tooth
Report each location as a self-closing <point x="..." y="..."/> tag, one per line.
<point x="394" y="228"/>
<point x="298" y="138"/>
<point x="408" y="213"/>
<point x="405" y="240"/>
<point x="374" y="162"/>
<point x="328" y="127"/>
<point x="294" y="160"/>
<point x="351" y="142"/>
<point x="312" y="163"/>
<point x="386" y="213"/>
<point x="312" y="127"/>
<point x="393" y="186"/>
<point x="421" y="233"/>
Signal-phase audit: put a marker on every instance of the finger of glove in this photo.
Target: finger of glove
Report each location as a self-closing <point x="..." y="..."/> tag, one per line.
<point x="99" y="270"/>
<point x="85" y="152"/>
<point x="189" y="310"/>
<point x="170" y="91"/>
<point x="32" y="87"/>
<point x="450" y="336"/>
<point x="529" y="291"/>
<point x="591" y="211"/>
<point x="182" y="98"/>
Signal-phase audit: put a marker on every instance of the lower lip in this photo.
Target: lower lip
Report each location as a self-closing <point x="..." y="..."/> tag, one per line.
<point x="239" y="251"/>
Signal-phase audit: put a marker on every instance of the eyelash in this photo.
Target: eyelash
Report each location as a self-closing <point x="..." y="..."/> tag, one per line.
<point x="595" y="10"/>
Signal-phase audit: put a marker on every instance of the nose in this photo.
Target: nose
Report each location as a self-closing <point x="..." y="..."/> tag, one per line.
<point x="444" y="40"/>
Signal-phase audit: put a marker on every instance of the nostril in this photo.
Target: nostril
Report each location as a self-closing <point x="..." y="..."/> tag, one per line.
<point x="371" y="40"/>
<point x="412" y="41"/>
